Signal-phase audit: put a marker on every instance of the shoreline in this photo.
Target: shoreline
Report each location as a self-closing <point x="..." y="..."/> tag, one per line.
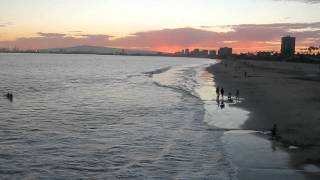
<point x="286" y="94"/>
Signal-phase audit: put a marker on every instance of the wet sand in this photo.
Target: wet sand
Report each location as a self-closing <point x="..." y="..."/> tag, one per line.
<point x="286" y="94"/>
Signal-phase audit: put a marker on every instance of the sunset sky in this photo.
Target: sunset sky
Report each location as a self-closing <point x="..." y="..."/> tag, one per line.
<point x="163" y="25"/>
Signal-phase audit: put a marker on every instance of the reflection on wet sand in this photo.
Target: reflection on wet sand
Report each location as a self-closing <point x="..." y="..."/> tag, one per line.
<point x="219" y="111"/>
<point x="253" y="152"/>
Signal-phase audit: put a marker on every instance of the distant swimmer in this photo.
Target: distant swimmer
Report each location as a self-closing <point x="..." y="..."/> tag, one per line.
<point x="222" y="92"/>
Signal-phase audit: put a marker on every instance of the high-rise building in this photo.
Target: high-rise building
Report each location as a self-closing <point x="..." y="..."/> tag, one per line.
<point x="212" y="53"/>
<point x="195" y="53"/>
<point x="288" y="46"/>
<point x="204" y="53"/>
<point x="187" y="52"/>
<point x="224" y="52"/>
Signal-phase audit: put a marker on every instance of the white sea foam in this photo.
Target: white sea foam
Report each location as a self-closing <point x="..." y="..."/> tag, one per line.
<point x="194" y="80"/>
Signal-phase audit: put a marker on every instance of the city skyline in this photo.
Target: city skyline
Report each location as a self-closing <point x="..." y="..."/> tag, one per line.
<point x="242" y="25"/>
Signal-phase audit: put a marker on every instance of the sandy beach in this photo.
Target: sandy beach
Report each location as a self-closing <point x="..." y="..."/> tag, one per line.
<point x="285" y="94"/>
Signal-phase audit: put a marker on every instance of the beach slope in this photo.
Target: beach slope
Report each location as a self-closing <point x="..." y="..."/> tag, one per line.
<point x="285" y="94"/>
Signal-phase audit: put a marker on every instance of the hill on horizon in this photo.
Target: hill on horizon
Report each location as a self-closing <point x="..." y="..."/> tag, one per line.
<point x="86" y="49"/>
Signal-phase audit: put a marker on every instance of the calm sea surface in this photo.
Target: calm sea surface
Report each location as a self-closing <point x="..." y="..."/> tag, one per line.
<point x="108" y="117"/>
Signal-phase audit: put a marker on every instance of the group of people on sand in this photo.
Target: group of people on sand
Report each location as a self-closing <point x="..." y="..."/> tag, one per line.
<point x="220" y="92"/>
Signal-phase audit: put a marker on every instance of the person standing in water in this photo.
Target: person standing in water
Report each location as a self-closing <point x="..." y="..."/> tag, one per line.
<point x="222" y="92"/>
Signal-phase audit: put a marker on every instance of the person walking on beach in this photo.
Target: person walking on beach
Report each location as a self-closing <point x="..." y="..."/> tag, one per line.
<point x="222" y="92"/>
<point x="218" y="92"/>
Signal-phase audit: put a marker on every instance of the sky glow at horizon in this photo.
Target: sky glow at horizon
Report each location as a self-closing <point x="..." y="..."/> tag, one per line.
<point x="122" y="19"/>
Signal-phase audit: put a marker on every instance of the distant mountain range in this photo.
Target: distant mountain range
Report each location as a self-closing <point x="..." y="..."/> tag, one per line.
<point x="84" y="49"/>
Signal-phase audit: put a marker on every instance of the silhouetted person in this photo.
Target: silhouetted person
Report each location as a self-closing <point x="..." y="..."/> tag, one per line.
<point x="237" y="94"/>
<point x="222" y="92"/>
<point x="229" y="97"/>
<point x="245" y="74"/>
<point x="274" y="131"/>
<point x="218" y="92"/>
<point x="222" y="105"/>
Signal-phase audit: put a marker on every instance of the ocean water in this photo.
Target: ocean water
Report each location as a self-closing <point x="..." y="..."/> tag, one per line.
<point x="109" y="117"/>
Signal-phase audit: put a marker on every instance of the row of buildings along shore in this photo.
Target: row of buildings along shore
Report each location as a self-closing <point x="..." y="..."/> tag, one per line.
<point x="288" y="49"/>
<point x="222" y="52"/>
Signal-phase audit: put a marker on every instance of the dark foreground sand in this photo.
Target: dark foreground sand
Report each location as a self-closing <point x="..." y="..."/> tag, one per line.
<point x="286" y="94"/>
